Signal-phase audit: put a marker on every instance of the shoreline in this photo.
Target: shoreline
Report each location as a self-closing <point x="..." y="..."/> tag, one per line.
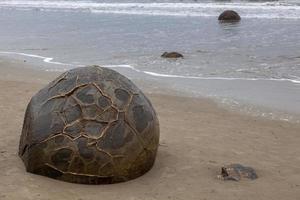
<point x="153" y="81"/>
<point x="48" y="60"/>
<point x="197" y="138"/>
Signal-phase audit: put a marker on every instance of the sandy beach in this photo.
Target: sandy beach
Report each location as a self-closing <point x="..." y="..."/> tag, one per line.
<point x="197" y="138"/>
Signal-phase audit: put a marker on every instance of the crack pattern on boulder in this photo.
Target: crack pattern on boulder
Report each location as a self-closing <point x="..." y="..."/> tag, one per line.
<point x="91" y="125"/>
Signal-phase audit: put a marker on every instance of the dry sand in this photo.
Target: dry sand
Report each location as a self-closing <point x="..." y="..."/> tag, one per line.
<point x="197" y="138"/>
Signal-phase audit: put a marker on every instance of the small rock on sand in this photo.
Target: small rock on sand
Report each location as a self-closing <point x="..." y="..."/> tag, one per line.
<point x="236" y="172"/>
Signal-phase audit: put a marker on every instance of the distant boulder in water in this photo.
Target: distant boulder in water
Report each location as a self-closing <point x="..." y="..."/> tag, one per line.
<point x="171" y="55"/>
<point x="229" y="16"/>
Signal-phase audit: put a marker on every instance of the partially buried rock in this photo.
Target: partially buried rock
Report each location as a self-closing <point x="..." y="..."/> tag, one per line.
<point x="236" y="172"/>
<point x="171" y="55"/>
<point x="229" y="16"/>
<point x="91" y="125"/>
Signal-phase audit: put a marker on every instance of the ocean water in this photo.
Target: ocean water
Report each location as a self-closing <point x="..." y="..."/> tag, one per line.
<point x="253" y="65"/>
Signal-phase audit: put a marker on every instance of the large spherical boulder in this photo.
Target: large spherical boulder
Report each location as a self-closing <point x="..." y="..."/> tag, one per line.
<point x="91" y="125"/>
<point x="229" y="16"/>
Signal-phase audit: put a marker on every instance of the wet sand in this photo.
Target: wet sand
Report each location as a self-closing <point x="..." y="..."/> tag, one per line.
<point x="197" y="138"/>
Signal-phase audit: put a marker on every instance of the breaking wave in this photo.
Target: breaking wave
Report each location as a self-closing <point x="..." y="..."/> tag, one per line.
<point x="276" y="9"/>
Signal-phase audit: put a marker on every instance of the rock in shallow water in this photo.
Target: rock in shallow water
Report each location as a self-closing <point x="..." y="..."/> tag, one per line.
<point x="229" y="16"/>
<point x="91" y="125"/>
<point x="236" y="172"/>
<point x="171" y="55"/>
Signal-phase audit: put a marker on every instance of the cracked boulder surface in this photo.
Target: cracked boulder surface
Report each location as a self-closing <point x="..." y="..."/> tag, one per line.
<point x="92" y="126"/>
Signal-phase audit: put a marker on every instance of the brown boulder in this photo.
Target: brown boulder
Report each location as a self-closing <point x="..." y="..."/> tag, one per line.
<point x="229" y="16"/>
<point x="171" y="55"/>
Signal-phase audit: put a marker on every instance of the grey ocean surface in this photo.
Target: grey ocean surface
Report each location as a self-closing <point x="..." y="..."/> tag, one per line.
<point x="252" y="65"/>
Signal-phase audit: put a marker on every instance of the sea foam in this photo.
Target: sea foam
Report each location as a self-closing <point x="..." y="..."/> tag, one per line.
<point x="209" y="9"/>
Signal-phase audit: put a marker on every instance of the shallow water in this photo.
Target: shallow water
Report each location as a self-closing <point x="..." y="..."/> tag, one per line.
<point x="255" y="61"/>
